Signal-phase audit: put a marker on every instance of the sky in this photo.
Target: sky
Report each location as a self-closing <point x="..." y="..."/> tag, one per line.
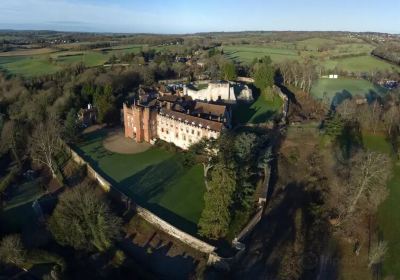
<point x="179" y="16"/>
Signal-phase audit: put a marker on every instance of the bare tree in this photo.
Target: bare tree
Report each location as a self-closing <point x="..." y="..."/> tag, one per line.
<point x="377" y="253"/>
<point x="46" y="144"/>
<point x="347" y="110"/>
<point x="391" y="117"/>
<point x="368" y="177"/>
<point x="12" y="139"/>
<point x="12" y="251"/>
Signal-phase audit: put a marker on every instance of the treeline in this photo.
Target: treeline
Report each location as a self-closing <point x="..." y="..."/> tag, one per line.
<point x="389" y="52"/>
<point x="301" y="75"/>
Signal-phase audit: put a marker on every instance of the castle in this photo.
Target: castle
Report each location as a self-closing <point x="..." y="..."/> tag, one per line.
<point x="175" y="119"/>
<point x="220" y="91"/>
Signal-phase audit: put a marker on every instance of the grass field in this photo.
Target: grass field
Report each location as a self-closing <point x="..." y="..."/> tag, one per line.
<point x="156" y="179"/>
<point x="365" y="63"/>
<point x="47" y="63"/>
<point x="337" y="90"/>
<point x="260" y="111"/>
<point x="360" y="60"/>
<point x="247" y="53"/>
<point x="388" y="213"/>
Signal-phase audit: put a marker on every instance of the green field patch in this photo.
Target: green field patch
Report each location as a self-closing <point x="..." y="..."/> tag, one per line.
<point x="29" y="65"/>
<point x="247" y="53"/>
<point x="156" y="179"/>
<point x="359" y="64"/>
<point x="261" y="110"/>
<point x="337" y="90"/>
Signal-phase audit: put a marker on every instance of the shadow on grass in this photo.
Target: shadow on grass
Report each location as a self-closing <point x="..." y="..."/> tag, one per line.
<point x="146" y="186"/>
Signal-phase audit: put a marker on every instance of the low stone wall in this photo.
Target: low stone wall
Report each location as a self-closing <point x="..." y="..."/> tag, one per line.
<point x="144" y="213"/>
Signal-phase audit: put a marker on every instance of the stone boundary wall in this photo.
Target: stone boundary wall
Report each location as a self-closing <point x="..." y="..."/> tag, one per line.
<point x="144" y="213"/>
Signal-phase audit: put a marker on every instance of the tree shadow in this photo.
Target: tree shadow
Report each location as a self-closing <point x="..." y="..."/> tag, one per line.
<point x="340" y="97"/>
<point x="159" y="261"/>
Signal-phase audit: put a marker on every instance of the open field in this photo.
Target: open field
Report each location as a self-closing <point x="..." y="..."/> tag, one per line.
<point x="337" y="90"/>
<point x="26" y="52"/>
<point x="247" y="53"/>
<point x="46" y="61"/>
<point x="156" y="179"/>
<point x="325" y="52"/>
<point x="363" y="63"/>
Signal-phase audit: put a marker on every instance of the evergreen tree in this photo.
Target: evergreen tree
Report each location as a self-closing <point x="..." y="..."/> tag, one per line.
<point x="215" y="218"/>
<point x="71" y="129"/>
<point x="104" y="102"/>
<point x="263" y="74"/>
<point x="229" y="71"/>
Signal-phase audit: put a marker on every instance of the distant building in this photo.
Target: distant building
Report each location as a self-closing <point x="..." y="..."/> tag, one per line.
<point x="87" y="116"/>
<point x="333" y="76"/>
<point x="174" y="119"/>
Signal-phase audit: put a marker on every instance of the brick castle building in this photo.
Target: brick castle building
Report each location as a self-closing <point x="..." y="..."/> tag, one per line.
<point x="174" y="119"/>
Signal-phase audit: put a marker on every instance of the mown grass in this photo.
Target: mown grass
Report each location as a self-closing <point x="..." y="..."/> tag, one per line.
<point x="156" y="179"/>
<point x="339" y="89"/>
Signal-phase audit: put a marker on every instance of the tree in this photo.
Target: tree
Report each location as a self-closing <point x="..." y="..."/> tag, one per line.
<point x="104" y="102"/>
<point x="347" y="110"/>
<point x="229" y="71"/>
<point x="206" y="150"/>
<point x="377" y="253"/>
<point x="13" y="139"/>
<point x="244" y="145"/>
<point x="369" y="173"/>
<point x="391" y="117"/>
<point x="12" y="251"/>
<point x="263" y="74"/>
<point x="84" y="221"/>
<point x="46" y="144"/>
<point x="215" y="218"/>
<point x="71" y="129"/>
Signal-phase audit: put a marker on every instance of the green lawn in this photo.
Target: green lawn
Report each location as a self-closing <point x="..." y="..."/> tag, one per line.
<point x="260" y="111"/>
<point x="337" y="90"/>
<point x="156" y="179"/>
<point x="388" y="213"/>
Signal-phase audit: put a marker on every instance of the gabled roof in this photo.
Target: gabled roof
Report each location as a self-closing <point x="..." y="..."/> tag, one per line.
<point x="192" y="120"/>
<point x="207" y="108"/>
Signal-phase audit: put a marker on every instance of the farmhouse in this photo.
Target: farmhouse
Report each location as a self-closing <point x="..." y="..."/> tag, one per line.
<point x="174" y="119"/>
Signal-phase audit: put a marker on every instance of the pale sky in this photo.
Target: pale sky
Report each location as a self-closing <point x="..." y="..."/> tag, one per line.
<point x="179" y="16"/>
